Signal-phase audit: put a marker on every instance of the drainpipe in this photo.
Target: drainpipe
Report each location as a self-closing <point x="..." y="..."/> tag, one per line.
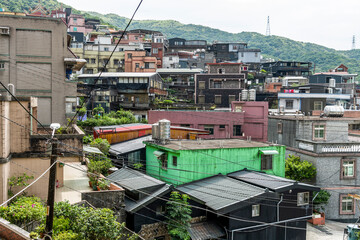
<point x="278" y="209"/>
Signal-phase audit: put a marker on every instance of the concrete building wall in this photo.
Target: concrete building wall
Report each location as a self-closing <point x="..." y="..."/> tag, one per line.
<point x="328" y="177"/>
<point x="253" y="121"/>
<point x="249" y="57"/>
<point x="36" y="52"/>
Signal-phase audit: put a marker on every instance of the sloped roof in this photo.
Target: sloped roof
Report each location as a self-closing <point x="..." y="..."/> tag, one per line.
<point x="129" y="146"/>
<point x="271" y="182"/>
<point x="133" y="206"/>
<point x="220" y="192"/>
<point x="206" y="230"/>
<point x="133" y="180"/>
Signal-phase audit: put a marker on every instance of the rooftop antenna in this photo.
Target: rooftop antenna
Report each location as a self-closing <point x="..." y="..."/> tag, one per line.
<point x="353" y="43"/>
<point x="268" y="26"/>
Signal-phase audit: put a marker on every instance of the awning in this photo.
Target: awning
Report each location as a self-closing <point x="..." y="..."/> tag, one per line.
<point x="158" y="153"/>
<point x="269" y="152"/>
<point x="206" y="230"/>
<point x="75" y="63"/>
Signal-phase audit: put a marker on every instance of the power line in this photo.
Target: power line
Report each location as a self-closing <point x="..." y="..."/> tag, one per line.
<point x="102" y="70"/>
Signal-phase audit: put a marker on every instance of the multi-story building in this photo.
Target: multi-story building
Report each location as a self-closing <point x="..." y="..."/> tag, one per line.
<point x="287" y="68"/>
<point x="76" y="23"/>
<point x="222" y="85"/>
<point x="246" y="120"/>
<point x="37" y="62"/>
<point x="325" y="142"/>
<point x="139" y="61"/>
<point x="235" y="52"/>
<point x="126" y="90"/>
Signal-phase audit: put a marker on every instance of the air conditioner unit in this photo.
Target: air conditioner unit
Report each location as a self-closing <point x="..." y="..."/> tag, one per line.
<point x="330" y="90"/>
<point x="5" y="30"/>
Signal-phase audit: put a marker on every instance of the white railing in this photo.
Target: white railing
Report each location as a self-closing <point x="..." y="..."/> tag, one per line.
<point x="341" y="148"/>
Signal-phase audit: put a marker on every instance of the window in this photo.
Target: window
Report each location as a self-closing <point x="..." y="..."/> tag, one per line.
<point x="319" y="131"/>
<point x="346" y="205"/>
<point x="75" y="20"/>
<point x="93" y="60"/>
<point x="70" y="105"/>
<point x="279" y="127"/>
<point x="303" y="198"/>
<point x="87" y="60"/>
<point x="116" y="61"/>
<point x="318" y="105"/>
<point x="164" y="161"/>
<point x="348" y="167"/>
<point x="174" y="158"/>
<point x="209" y="128"/>
<point x="170" y="58"/>
<point x="201" y="99"/>
<point x="266" y="162"/>
<point x="201" y="84"/>
<point x="160" y="210"/>
<point x="89" y="71"/>
<point x="217" y="99"/>
<point x="137" y="65"/>
<point x="231" y="98"/>
<point x="221" y="70"/>
<point x="255" y="210"/>
<point x="106" y="49"/>
<point x="218" y="84"/>
<point x="221" y="127"/>
<point x="2" y="65"/>
<point x="129" y="55"/>
<point x="147" y="65"/>
<point x="237" y="130"/>
<point x="289" y="104"/>
<point x="155" y="51"/>
<point x="75" y="29"/>
<point x="256" y="54"/>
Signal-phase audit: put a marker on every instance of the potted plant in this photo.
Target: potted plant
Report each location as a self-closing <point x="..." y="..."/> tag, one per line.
<point x="103" y="184"/>
<point x="319" y="202"/>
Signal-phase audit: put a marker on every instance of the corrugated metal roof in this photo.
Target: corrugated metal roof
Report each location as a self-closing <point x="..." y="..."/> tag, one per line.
<point x="271" y="182"/>
<point x="133" y="180"/>
<point x="206" y="230"/>
<point x="129" y="146"/>
<point x="89" y="149"/>
<point x="132" y="206"/>
<point x="220" y="191"/>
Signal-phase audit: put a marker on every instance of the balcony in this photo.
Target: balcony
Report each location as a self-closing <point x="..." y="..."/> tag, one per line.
<point x="322" y="148"/>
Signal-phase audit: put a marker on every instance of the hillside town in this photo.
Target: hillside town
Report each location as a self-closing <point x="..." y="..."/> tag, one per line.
<point x="127" y="134"/>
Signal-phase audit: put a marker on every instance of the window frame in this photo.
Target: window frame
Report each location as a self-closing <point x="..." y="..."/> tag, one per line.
<point x="255" y="210"/>
<point x="265" y="162"/>
<point x="289" y="101"/>
<point x="174" y="161"/>
<point x="341" y="212"/>
<point x="201" y="97"/>
<point x="202" y="85"/>
<point x="342" y="176"/>
<point x="209" y="128"/>
<point x="164" y="161"/>
<point x="315" y="129"/>
<point x="232" y="97"/>
<point x="303" y="202"/>
<point x="316" y="105"/>
<point x="235" y="130"/>
<point x="280" y="127"/>
<point x="217" y="99"/>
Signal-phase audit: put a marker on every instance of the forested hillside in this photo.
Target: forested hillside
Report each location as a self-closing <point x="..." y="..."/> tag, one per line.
<point x="279" y="48"/>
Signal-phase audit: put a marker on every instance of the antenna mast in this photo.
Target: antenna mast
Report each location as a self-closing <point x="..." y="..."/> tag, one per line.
<point x="353" y="43"/>
<point x="268" y="26"/>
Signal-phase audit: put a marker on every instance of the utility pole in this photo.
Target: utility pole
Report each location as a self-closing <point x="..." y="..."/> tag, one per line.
<point x="51" y="191"/>
<point x="353" y="47"/>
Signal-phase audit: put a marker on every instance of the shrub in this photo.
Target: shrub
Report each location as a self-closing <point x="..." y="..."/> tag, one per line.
<point x="102" y="144"/>
<point x="299" y="170"/>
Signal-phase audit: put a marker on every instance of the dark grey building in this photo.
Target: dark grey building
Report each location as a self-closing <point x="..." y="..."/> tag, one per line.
<point x="287" y="68"/>
<point x="326" y="143"/>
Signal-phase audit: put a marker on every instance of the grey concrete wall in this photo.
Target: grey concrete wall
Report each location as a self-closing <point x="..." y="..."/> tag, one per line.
<point x="328" y="178"/>
<point x="34" y="52"/>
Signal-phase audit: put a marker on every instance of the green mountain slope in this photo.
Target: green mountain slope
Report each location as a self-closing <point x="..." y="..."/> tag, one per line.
<point x="278" y="48"/>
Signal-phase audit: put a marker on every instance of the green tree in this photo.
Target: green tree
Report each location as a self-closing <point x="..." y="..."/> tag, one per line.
<point x="102" y="144"/>
<point x="99" y="110"/>
<point x="82" y="112"/>
<point x="250" y="76"/>
<point x="321" y="199"/>
<point x="299" y="170"/>
<point x="20" y="181"/>
<point x="178" y="213"/>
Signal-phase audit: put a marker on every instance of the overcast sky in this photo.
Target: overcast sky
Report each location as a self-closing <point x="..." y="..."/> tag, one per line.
<point x="326" y="22"/>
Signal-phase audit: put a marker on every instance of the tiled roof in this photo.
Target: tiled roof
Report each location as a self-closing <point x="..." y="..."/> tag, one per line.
<point x="206" y="230"/>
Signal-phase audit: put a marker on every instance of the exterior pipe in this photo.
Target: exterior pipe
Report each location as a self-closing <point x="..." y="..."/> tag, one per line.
<point x="278" y="209"/>
<point x="268" y="224"/>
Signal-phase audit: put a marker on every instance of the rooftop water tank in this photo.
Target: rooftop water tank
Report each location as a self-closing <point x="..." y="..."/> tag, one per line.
<point x="244" y="95"/>
<point x="155" y="131"/>
<point x="334" y="111"/>
<point x="164" y="127"/>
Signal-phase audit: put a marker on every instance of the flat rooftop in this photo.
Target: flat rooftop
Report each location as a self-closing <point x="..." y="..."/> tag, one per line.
<point x="312" y="118"/>
<point x="185" y="144"/>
